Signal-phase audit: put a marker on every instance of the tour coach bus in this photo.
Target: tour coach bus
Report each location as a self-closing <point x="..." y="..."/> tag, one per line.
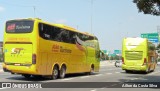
<point x="33" y="47"/>
<point x="138" y="54"/>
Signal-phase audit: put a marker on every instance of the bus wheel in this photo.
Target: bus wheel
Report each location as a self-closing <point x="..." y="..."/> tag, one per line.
<point x="127" y="71"/>
<point x="55" y="73"/>
<point x="92" y="70"/>
<point x="26" y="75"/>
<point x="62" y="72"/>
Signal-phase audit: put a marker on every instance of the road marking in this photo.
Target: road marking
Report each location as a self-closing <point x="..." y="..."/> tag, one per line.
<point x="84" y="77"/>
<point x="94" y="90"/>
<point x="99" y="75"/>
<point x="102" y="88"/>
<point x="117" y="72"/>
<point x="3" y="88"/>
<point x="143" y="79"/>
<point x="67" y="79"/>
<point x="134" y="79"/>
<point x="108" y="73"/>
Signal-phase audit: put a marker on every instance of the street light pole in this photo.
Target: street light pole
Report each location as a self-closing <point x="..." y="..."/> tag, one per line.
<point x="91" y="16"/>
<point x="34" y="10"/>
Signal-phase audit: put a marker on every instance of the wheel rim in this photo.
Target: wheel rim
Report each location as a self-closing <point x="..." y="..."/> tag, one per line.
<point x="55" y="73"/>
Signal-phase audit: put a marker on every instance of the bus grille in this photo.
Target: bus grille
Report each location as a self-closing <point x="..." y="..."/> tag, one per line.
<point x="134" y="55"/>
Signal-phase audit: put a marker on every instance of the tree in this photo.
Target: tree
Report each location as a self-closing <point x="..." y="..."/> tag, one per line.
<point x="148" y="6"/>
<point x="158" y="46"/>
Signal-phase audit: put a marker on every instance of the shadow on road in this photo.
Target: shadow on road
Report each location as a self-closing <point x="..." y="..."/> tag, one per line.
<point x="40" y="78"/>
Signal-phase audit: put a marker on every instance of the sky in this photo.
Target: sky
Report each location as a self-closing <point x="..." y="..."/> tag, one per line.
<point x="112" y="20"/>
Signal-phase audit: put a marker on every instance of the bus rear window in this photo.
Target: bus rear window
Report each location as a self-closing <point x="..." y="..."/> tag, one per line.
<point x="23" y="26"/>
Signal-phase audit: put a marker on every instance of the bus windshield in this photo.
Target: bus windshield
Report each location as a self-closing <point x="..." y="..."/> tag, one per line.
<point x="19" y="26"/>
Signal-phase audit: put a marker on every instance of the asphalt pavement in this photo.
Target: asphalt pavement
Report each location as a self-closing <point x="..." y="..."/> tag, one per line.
<point x="109" y="74"/>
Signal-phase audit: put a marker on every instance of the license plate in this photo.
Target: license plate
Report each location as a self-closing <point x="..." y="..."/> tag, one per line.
<point x="17" y="64"/>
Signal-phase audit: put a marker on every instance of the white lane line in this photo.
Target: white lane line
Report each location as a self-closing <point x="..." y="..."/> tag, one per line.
<point x="108" y="73"/>
<point x="3" y="88"/>
<point x="99" y="75"/>
<point x="102" y="88"/>
<point x="67" y="79"/>
<point x="117" y="72"/>
<point x="134" y="78"/>
<point x="84" y="77"/>
<point x="94" y="90"/>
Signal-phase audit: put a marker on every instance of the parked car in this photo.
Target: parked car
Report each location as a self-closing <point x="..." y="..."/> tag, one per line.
<point x="158" y="63"/>
<point x="118" y="63"/>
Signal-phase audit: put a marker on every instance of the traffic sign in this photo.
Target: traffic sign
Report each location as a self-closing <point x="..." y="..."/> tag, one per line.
<point x="105" y="51"/>
<point x="153" y="37"/>
<point x="117" y="51"/>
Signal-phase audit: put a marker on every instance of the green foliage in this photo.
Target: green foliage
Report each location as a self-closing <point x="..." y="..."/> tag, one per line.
<point x="152" y="48"/>
<point x="158" y="47"/>
<point x="1" y="58"/>
<point x="148" y="6"/>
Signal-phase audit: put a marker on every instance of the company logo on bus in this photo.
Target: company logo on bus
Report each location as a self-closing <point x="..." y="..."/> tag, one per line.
<point x="58" y="48"/>
<point x="16" y="50"/>
<point x="11" y="27"/>
<point x="55" y="48"/>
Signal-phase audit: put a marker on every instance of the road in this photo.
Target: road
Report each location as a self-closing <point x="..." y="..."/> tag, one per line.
<point x="108" y="73"/>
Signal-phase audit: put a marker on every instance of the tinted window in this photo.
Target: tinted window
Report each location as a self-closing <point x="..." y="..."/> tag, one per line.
<point x="45" y="31"/>
<point x="61" y="35"/>
<point x="23" y="26"/>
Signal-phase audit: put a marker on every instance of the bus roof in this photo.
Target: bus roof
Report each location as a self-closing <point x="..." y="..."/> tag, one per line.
<point x="54" y="24"/>
<point x="61" y="26"/>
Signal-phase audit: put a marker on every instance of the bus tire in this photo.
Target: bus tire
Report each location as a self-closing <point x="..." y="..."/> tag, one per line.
<point x="127" y="71"/>
<point x="91" y="70"/>
<point x="62" y="72"/>
<point x="26" y="75"/>
<point x="55" y="73"/>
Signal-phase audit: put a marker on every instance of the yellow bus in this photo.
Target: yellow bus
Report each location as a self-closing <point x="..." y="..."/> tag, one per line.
<point x="33" y="47"/>
<point x="138" y="54"/>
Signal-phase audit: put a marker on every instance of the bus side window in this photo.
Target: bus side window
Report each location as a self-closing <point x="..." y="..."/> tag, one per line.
<point x="65" y="36"/>
<point x="56" y="36"/>
<point x="72" y="37"/>
<point x="40" y="26"/>
<point x="45" y="31"/>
